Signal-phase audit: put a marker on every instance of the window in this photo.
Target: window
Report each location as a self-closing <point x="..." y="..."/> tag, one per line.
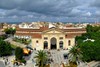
<point x="45" y="45"/>
<point x="61" y="44"/>
<point x="61" y="38"/>
<point x="37" y="41"/>
<point x="45" y="38"/>
<point x="66" y="35"/>
<point x="69" y="42"/>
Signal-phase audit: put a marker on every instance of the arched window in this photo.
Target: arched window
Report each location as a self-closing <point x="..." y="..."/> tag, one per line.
<point x="37" y="41"/>
<point x="69" y="42"/>
<point x="45" y="45"/>
<point x="61" y="44"/>
<point x="53" y="42"/>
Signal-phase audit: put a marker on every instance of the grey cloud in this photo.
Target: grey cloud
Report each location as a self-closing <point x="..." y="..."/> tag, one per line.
<point x="48" y="7"/>
<point x="96" y="4"/>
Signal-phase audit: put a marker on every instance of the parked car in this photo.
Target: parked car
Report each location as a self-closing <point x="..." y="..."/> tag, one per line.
<point x="26" y="51"/>
<point x="29" y="48"/>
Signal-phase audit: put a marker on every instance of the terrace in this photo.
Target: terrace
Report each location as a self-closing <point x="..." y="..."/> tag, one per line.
<point x="22" y="40"/>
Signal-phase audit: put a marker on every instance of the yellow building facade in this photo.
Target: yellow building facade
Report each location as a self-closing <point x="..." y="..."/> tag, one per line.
<point x="51" y="38"/>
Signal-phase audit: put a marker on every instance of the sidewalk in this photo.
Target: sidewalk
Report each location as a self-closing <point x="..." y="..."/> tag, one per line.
<point x="15" y="43"/>
<point x="90" y="64"/>
<point x="2" y="64"/>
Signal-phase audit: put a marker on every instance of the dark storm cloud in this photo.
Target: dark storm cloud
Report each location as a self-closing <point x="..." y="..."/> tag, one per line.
<point x="47" y="7"/>
<point x="50" y="9"/>
<point x="5" y="4"/>
<point x="96" y="3"/>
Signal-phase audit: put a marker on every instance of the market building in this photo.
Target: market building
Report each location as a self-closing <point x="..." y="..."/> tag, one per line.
<point x="50" y="38"/>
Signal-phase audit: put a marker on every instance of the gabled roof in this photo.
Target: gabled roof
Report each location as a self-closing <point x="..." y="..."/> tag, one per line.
<point x="53" y="29"/>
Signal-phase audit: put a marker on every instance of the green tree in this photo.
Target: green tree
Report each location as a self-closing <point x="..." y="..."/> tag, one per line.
<point x="90" y="50"/>
<point x="97" y="50"/>
<point x="19" y="53"/>
<point x="41" y="58"/>
<point x="10" y="31"/>
<point x="87" y="50"/>
<point x="5" y="48"/>
<point x="95" y="35"/>
<point x="3" y="37"/>
<point x="89" y="28"/>
<point x="75" y="54"/>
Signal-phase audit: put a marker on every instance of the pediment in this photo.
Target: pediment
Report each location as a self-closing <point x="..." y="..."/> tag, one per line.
<point x="53" y="30"/>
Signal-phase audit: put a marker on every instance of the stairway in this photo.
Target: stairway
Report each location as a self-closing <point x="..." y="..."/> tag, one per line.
<point x="57" y="57"/>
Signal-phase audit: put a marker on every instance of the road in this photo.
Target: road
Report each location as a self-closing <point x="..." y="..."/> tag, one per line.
<point x="10" y="39"/>
<point x="2" y="64"/>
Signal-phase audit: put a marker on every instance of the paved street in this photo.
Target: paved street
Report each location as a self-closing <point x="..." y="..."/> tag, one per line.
<point x="15" y="43"/>
<point x="90" y="64"/>
<point x="57" y="57"/>
<point x="10" y="63"/>
<point x="2" y="64"/>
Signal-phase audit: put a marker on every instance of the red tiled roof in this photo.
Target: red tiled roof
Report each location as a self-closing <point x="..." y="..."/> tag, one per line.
<point x="29" y="30"/>
<point x="33" y="35"/>
<point x="36" y="35"/>
<point x="23" y="34"/>
<point x="71" y="35"/>
<point x="32" y="30"/>
<point x="74" y="30"/>
<point x="69" y="25"/>
<point x="44" y="28"/>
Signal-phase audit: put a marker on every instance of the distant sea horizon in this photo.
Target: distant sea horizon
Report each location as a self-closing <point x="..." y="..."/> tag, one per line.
<point x="41" y="21"/>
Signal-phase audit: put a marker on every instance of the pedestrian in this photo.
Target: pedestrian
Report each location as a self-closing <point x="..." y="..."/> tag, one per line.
<point x="32" y="60"/>
<point x="3" y="58"/>
<point x="61" y="65"/>
<point x="79" y="62"/>
<point x="7" y="59"/>
<point x="13" y="64"/>
<point x="5" y="62"/>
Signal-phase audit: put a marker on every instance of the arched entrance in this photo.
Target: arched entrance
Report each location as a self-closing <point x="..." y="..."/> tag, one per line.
<point x="45" y="45"/>
<point x="61" y="44"/>
<point x="53" y="42"/>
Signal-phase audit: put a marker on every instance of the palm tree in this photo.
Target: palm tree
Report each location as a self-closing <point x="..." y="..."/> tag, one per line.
<point x="41" y="58"/>
<point x="75" y="54"/>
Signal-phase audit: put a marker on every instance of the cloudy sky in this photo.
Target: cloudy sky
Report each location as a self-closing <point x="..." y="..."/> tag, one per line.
<point x="50" y="10"/>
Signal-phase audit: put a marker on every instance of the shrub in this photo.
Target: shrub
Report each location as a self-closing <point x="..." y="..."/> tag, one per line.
<point x="19" y="53"/>
<point x="23" y="61"/>
<point x="5" y="48"/>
